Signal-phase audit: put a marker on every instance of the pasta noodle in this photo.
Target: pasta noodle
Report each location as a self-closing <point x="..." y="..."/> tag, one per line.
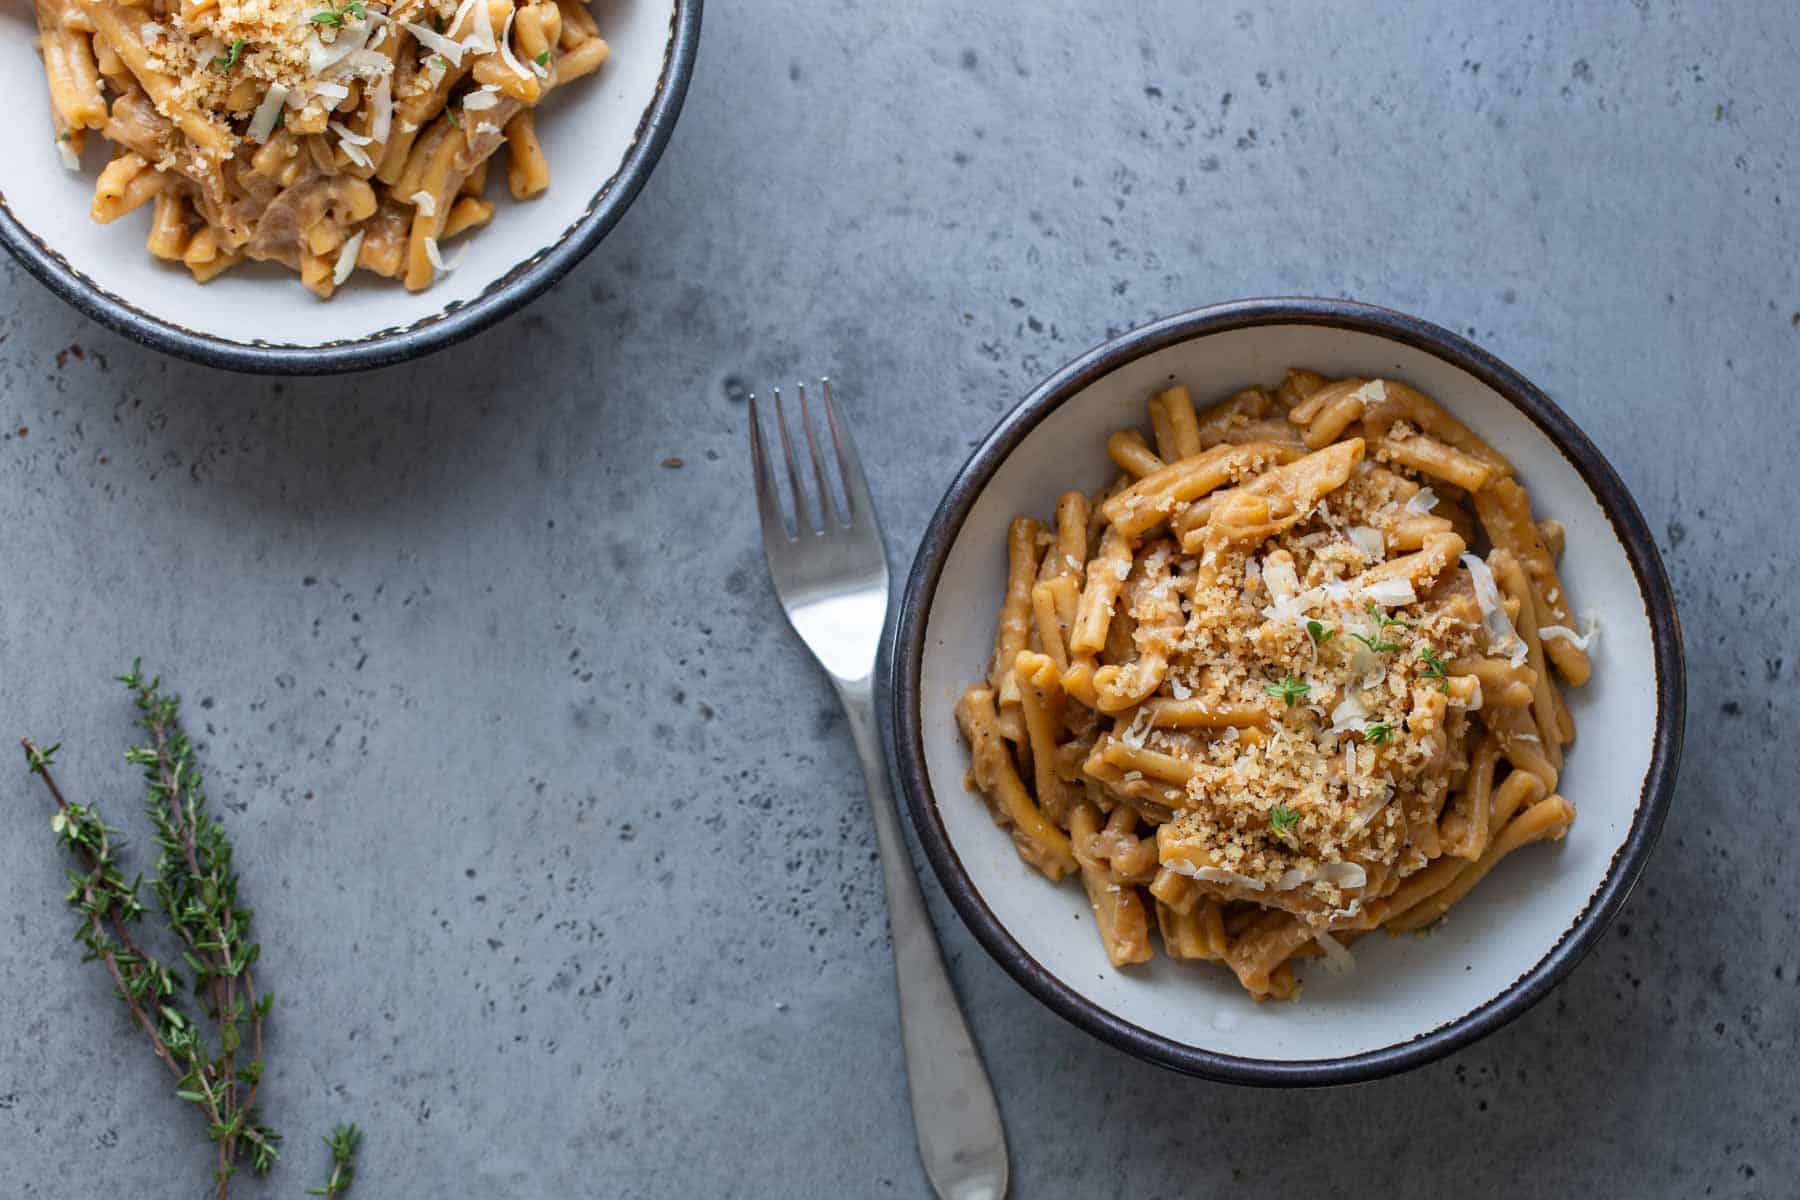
<point x="1262" y="690"/>
<point x="326" y="135"/>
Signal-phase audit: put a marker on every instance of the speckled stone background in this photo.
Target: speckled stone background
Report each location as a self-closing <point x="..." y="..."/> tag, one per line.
<point x="557" y="843"/>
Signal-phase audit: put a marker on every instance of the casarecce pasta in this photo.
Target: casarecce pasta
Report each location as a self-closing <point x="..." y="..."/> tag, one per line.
<point x="1262" y="695"/>
<point x="328" y="135"/>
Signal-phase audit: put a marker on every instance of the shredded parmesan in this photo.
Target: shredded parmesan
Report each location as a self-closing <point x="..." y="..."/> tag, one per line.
<point x="1350" y="715"/>
<point x="1215" y="875"/>
<point x="1422" y="502"/>
<point x="262" y="121"/>
<point x="1368" y="540"/>
<point x="346" y="260"/>
<point x="1502" y="637"/>
<point x="506" y="54"/>
<point x="381" y="108"/>
<point x="70" y="159"/>
<point x="345" y="133"/>
<point x="1391" y="592"/>
<point x="1340" y="874"/>
<point x="439" y="261"/>
<point x="1581" y="641"/>
<point x="436" y="42"/>
<point x="481" y="38"/>
<point x="425" y="202"/>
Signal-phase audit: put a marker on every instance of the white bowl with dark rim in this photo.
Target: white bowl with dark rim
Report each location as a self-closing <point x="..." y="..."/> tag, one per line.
<point x="602" y="135"/>
<point x="1410" y="999"/>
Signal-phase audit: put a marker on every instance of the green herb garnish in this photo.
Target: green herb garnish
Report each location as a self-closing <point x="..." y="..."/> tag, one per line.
<point x="1435" y="668"/>
<point x="342" y="1142"/>
<point x="1380" y="733"/>
<point x="1378" y="642"/>
<point x="336" y="17"/>
<point x="450" y="114"/>
<point x="1282" y="820"/>
<point x="207" y="1029"/>
<point x="1289" y="689"/>
<point x="225" y="62"/>
<point x="1381" y="618"/>
<point x="1319" y="633"/>
<point x="542" y="58"/>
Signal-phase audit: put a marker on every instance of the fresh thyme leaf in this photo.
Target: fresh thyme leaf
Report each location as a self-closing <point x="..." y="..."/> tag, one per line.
<point x="328" y="17"/>
<point x="1380" y="733"/>
<point x="1435" y="668"/>
<point x="355" y="8"/>
<point x="1282" y="820"/>
<point x="542" y="58"/>
<point x="1375" y="643"/>
<point x="1383" y="620"/>
<point x="342" y="1143"/>
<point x="450" y="114"/>
<point x="225" y="62"/>
<point x="1289" y="689"/>
<point x="1319" y="633"/>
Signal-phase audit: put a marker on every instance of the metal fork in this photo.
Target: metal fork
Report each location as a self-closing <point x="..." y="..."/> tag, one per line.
<point x="832" y="579"/>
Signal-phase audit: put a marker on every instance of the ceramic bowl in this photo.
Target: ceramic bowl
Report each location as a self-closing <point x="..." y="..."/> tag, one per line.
<point x="602" y="135"/>
<point x="1410" y="999"/>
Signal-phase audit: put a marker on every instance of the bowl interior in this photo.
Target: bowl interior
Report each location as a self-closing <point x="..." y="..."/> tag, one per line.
<point x="587" y="129"/>
<point x="1403" y="987"/>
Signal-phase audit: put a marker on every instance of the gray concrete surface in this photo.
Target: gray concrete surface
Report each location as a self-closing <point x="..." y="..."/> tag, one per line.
<point x="556" y="840"/>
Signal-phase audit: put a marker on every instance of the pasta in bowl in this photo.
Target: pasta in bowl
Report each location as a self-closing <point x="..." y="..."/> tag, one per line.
<point x="1266" y="708"/>
<point x="1274" y="688"/>
<point x="361" y="144"/>
<point x="329" y="139"/>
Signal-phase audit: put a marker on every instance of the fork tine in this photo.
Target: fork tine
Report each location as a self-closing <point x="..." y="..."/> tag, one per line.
<point x="856" y="487"/>
<point x="768" y="495"/>
<point x="829" y="513"/>
<point x="803" y="518"/>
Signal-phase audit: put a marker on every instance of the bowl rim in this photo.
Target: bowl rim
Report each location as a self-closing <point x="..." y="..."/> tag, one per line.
<point x="522" y="283"/>
<point x="905" y="653"/>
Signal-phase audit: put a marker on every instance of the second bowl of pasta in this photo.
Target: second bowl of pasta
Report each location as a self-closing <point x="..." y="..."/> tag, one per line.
<point x="1251" y="700"/>
<point x="319" y="185"/>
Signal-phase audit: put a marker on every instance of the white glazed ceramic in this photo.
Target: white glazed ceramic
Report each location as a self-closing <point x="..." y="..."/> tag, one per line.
<point x="601" y="134"/>
<point x="1410" y="998"/>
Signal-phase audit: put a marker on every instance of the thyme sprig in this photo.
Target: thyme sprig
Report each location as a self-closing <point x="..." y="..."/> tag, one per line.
<point x="342" y="1142"/>
<point x="198" y="893"/>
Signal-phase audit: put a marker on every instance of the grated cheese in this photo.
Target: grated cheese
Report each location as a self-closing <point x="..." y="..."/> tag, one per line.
<point x="346" y="260"/>
<point x="262" y="122"/>
<point x="1391" y="592"/>
<point x="437" y="42"/>
<point x="1368" y="540"/>
<point x="1502" y="637"/>
<point x="1422" y="502"/>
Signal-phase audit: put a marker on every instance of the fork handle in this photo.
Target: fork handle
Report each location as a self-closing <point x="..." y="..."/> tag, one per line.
<point x="955" y="1115"/>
